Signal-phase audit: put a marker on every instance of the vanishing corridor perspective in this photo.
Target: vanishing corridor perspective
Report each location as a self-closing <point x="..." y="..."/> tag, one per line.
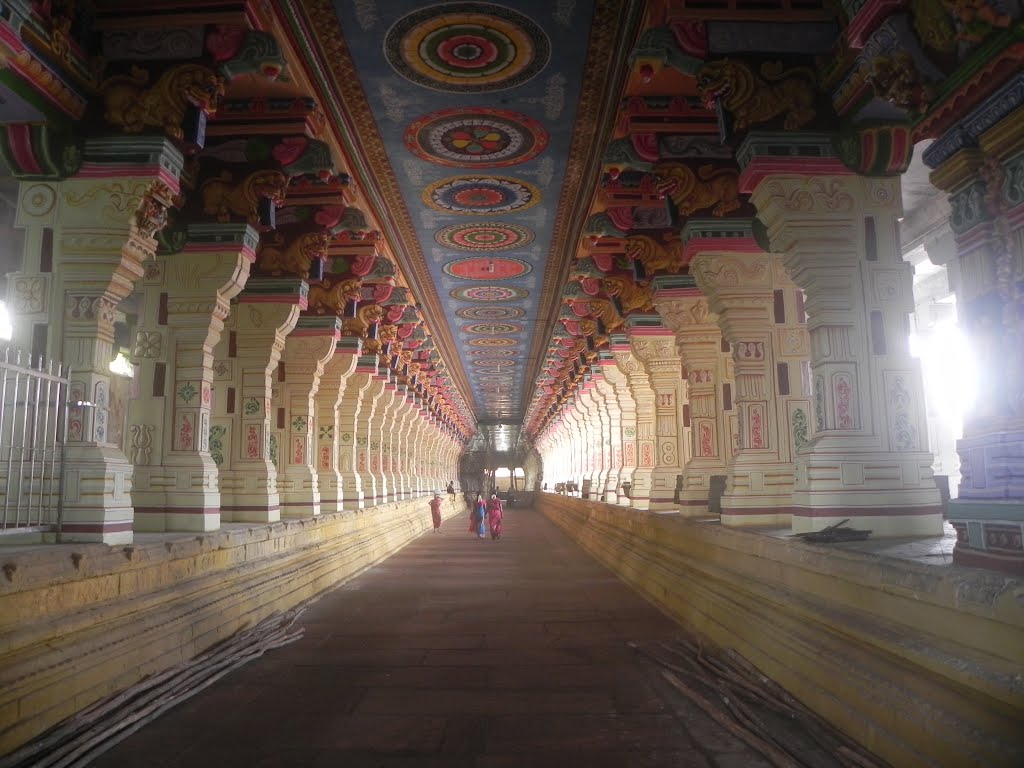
<point x="731" y="292"/>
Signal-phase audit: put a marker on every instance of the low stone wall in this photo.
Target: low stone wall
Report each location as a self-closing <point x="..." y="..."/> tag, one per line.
<point x="922" y="665"/>
<point x="80" y="621"/>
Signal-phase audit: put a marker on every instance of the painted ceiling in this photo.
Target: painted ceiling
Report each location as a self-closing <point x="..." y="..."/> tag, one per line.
<point x="477" y="108"/>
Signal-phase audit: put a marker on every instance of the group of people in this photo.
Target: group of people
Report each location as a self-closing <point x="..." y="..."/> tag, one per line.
<point x="490" y="512"/>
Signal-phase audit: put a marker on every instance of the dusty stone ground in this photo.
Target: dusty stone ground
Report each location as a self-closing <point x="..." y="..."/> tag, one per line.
<point x="457" y="651"/>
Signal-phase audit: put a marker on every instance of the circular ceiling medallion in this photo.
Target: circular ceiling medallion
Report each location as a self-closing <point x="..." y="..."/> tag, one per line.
<point x="493" y="329"/>
<point x="481" y="195"/>
<point x="467" y="47"/>
<point x="490" y="313"/>
<point x="489" y="268"/>
<point x="493" y="341"/>
<point x="493" y="363"/>
<point x="493" y="352"/>
<point x="488" y="293"/>
<point x="492" y="236"/>
<point x="476" y="136"/>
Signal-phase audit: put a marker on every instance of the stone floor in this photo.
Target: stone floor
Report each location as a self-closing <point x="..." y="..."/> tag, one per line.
<point x="456" y="651"/>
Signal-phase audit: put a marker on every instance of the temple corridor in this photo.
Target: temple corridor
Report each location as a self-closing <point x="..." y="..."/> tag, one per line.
<point x="455" y="651"/>
<point x="692" y="279"/>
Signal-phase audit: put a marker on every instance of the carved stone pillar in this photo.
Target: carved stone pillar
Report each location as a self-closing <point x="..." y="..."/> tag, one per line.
<point x="332" y="391"/>
<point x="417" y="438"/>
<point x="308" y="349"/>
<point x="643" y="399"/>
<point x="654" y="345"/>
<point x="411" y="414"/>
<point x="709" y="412"/>
<point x="266" y="313"/>
<point x="95" y="232"/>
<point x="399" y="434"/>
<point x="985" y="180"/>
<point x="581" y="436"/>
<point x="380" y="462"/>
<point x="432" y="455"/>
<point x="353" y="437"/>
<point x="751" y="293"/>
<point x="590" y="423"/>
<point x="390" y="432"/>
<point x="572" y="443"/>
<point x="868" y="459"/>
<point x="610" y="407"/>
<point x="570" y="446"/>
<point x="375" y="400"/>
<point x="626" y="411"/>
<point x="185" y="298"/>
<point x="604" y="454"/>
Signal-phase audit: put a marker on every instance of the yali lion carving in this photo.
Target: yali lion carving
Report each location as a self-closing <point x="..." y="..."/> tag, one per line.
<point x="131" y="106"/>
<point x="715" y="189"/>
<point x="630" y="295"/>
<point x="223" y="199"/>
<point x="896" y="79"/>
<point x="360" y="324"/>
<point x="653" y="255"/>
<point x="753" y="99"/>
<point x="296" y="258"/>
<point x="331" y="297"/>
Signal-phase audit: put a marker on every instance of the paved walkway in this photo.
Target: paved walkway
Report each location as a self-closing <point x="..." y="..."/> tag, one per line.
<point x="456" y="651"/>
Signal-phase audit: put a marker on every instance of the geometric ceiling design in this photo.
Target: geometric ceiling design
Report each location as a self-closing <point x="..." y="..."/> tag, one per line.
<point x="477" y="108"/>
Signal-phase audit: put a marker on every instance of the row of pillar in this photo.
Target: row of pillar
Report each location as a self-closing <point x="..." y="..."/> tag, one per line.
<point x="242" y="409"/>
<point x="786" y="372"/>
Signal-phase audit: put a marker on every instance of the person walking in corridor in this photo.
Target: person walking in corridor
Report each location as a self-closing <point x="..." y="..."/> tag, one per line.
<point x="495" y="512"/>
<point x="451" y="490"/>
<point x="435" y="511"/>
<point x="477" y="515"/>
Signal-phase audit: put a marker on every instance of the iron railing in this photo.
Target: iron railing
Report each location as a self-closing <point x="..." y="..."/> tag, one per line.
<point x="33" y="436"/>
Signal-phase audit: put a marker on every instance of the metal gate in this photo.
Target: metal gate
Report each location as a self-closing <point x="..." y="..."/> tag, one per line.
<point x="33" y="433"/>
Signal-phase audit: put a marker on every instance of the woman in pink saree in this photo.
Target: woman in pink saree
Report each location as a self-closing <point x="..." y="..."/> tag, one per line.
<point x="495" y="511"/>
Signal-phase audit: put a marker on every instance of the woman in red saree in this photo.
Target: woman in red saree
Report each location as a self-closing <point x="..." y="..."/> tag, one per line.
<point x="495" y="512"/>
<point x="435" y="511"/>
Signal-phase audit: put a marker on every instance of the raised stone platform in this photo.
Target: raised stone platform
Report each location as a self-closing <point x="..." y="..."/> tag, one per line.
<point x="920" y="664"/>
<point x="80" y="621"/>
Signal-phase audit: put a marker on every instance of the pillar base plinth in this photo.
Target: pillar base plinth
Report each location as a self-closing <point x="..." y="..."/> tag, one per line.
<point x="693" y="502"/>
<point x="352" y="494"/>
<point x="301" y="508"/>
<point x="761" y="511"/>
<point x="192" y="499"/>
<point x="663" y="490"/>
<point x="97" y="495"/>
<point x="695" y="493"/>
<point x="243" y="514"/>
<point x="200" y="519"/>
<point x="640" y="493"/>
<point x="990" y="534"/>
<point x="895" y="493"/>
<point x="331" y="501"/>
<point x="758" y="493"/>
<point x="301" y="496"/>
